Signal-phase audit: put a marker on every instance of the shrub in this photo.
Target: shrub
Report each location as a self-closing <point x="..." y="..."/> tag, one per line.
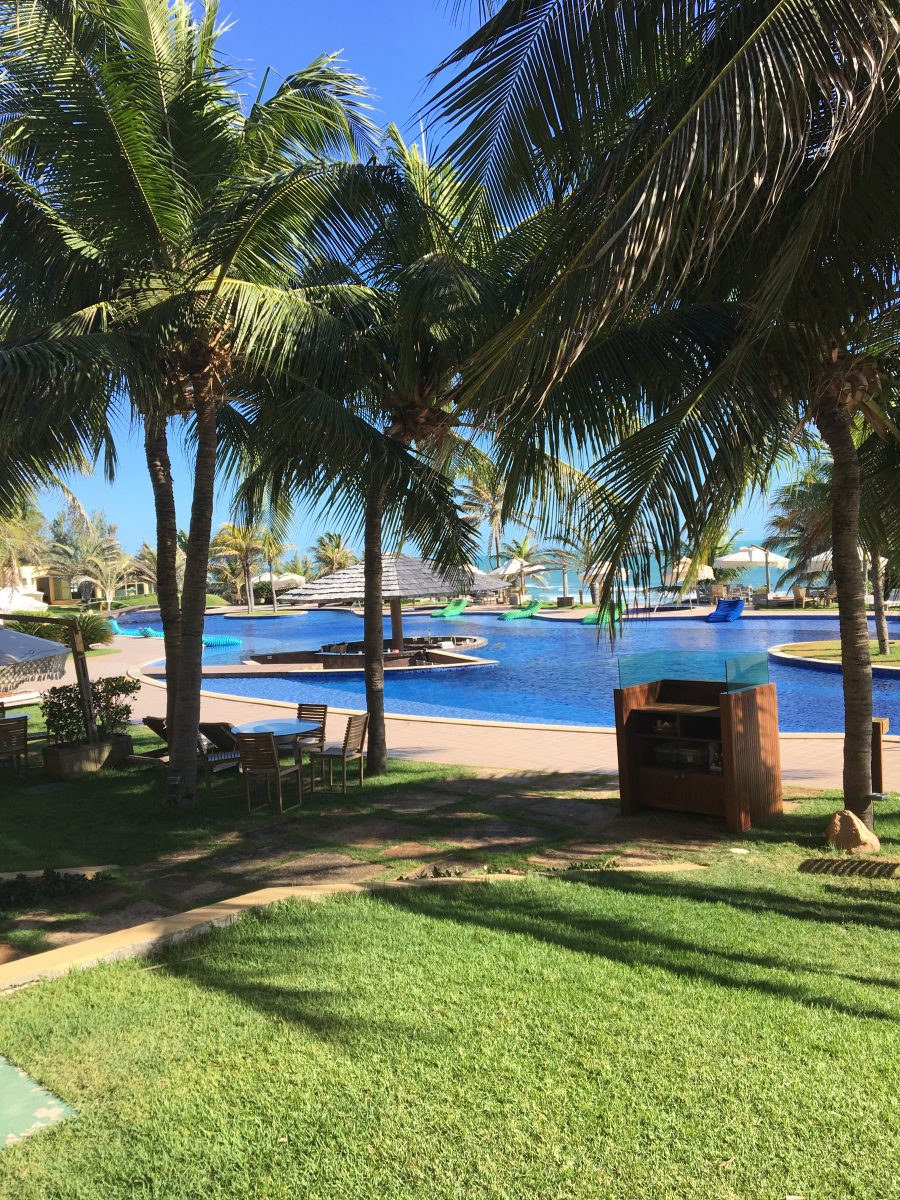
<point x="63" y="713"/>
<point x="95" y="630"/>
<point x="26" y="891"/>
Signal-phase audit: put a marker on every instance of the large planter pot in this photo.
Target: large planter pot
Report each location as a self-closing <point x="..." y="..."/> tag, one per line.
<point x="69" y="762"/>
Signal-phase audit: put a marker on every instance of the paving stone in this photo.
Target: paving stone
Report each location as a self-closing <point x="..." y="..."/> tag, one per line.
<point x="190" y="890"/>
<point x="367" y="833"/>
<point x="576" y="814"/>
<point x="418" y="802"/>
<point x="652" y="862"/>
<point x="255" y="859"/>
<point x="492" y="836"/>
<point x="122" y="918"/>
<point x="410" y="850"/>
<point x="319" y="868"/>
<point x="573" y="852"/>
<point x="9" y="953"/>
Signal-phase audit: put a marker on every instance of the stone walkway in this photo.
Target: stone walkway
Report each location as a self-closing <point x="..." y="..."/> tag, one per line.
<point x="449" y="828"/>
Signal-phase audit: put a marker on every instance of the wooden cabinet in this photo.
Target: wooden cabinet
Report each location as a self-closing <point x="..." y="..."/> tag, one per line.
<point x="690" y="746"/>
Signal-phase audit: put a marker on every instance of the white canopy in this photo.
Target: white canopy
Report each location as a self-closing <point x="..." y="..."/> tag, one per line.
<point x="599" y="571"/>
<point x="822" y="562"/>
<point x="289" y="579"/>
<point x="27" y="659"/>
<point x="677" y="574"/>
<point x="14" y="600"/>
<point x="518" y="566"/>
<point x="751" y="556"/>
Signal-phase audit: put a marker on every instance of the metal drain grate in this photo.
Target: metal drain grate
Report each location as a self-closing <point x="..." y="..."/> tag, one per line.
<point x="849" y="866"/>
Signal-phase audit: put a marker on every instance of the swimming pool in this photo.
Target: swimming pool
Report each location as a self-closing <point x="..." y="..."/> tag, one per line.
<point x="553" y="673"/>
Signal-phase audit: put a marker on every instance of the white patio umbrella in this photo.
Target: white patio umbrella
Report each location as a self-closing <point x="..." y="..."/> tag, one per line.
<point x="752" y="556"/>
<point x="27" y="659"/>
<point x="822" y="562"/>
<point x="677" y="574"/>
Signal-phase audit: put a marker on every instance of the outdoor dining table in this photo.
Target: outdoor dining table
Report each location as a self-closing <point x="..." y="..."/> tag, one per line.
<point x="284" y="729"/>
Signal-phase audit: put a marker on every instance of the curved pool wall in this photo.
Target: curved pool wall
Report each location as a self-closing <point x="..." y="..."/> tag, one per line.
<point x="548" y="672"/>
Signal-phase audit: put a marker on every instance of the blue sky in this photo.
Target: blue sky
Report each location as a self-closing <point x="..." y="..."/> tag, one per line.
<point x="393" y="44"/>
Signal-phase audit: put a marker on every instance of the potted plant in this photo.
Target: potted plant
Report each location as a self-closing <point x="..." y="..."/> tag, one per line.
<point x="71" y="753"/>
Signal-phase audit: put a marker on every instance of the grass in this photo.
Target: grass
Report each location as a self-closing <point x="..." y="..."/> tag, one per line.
<point x="116" y="816"/>
<point x="831" y="651"/>
<point x="724" y="1035"/>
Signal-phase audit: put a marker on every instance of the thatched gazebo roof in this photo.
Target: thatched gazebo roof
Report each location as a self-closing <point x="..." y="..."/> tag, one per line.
<point x="403" y="577"/>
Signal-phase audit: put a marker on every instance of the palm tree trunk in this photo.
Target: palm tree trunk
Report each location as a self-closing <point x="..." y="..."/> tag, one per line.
<point x="156" y="449"/>
<point x="881" y="626"/>
<point x="272" y="586"/>
<point x="183" y="740"/>
<point x="373" y="632"/>
<point x="833" y="420"/>
<point x="248" y="584"/>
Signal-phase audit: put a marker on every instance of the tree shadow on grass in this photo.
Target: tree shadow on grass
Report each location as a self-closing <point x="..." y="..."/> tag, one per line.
<point x="313" y="1009"/>
<point x="507" y="909"/>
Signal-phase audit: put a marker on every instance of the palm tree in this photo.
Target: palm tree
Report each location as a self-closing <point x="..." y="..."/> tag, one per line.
<point x="105" y="570"/>
<point x="152" y="234"/>
<point x="21" y="540"/>
<point x="272" y="549"/>
<point x="91" y="557"/>
<point x="430" y="278"/>
<point x="244" y="544"/>
<point x="482" y="499"/>
<point x="719" y="271"/>
<point x="144" y="568"/>
<point x="300" y="564"/>
<point x="800" y="526"/>
<point x="331" y="553"/>
<point x="528" y="553"/>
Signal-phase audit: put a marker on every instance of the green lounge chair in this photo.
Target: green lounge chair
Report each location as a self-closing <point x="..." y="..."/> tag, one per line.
<point x="455" y="608"/>
<point x="521" y="613"/>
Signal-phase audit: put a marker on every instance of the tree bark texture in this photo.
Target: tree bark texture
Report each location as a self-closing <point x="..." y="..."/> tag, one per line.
<point x="834" y="421"/>
<point x="881" y="625"/>
<point x="185" y="732"/>
<point x="156" y="449"/>
<point x="373" y="632"/>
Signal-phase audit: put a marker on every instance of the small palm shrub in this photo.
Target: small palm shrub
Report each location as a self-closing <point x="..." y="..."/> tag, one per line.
<point x="95" y="630"/>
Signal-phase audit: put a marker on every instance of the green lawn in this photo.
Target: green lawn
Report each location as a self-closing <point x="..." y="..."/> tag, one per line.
<point x="117" y="816"/>
<point x="831" y="651"/>
<point x="724" y="1035"/>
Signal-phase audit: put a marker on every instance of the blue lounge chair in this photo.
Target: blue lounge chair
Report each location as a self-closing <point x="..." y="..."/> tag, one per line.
<point x="120" y="632"/>
<point x="726" y="610"/>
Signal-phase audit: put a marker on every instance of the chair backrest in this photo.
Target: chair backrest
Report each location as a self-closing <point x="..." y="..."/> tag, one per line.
<point x="355" y="733"/>
<point x="259" y="754"/>
<point x="219" y="733"/>
<point x="799" y="593"/>
<point x="158" y="726"/>
<point x="717" y="591"/>
<point x="13" y="734"/>
<point x="313" y="712"/>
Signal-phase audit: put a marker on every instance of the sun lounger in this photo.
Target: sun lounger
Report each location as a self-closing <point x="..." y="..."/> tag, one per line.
<point x="454" y="609"/>
<point x="726" y="611"/>
<point x="120" y="632"/>
<point x="519" y="614"/>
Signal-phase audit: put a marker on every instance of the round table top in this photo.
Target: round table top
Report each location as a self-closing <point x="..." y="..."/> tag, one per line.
<point x="286" y="727"/>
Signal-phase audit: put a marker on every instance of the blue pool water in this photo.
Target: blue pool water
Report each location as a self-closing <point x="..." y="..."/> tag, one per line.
<point x="556" y="673"/>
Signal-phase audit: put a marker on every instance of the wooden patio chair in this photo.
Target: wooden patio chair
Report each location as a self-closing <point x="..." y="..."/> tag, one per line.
<point x="158" y="726"/>
<point x="14" y="742"/>
<point x="802" y="599"/>
<point x="218" y="750"/>
<point x="315" y="739"/>
<point x="259" y="761"/>
<point x="350" y="750"/>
